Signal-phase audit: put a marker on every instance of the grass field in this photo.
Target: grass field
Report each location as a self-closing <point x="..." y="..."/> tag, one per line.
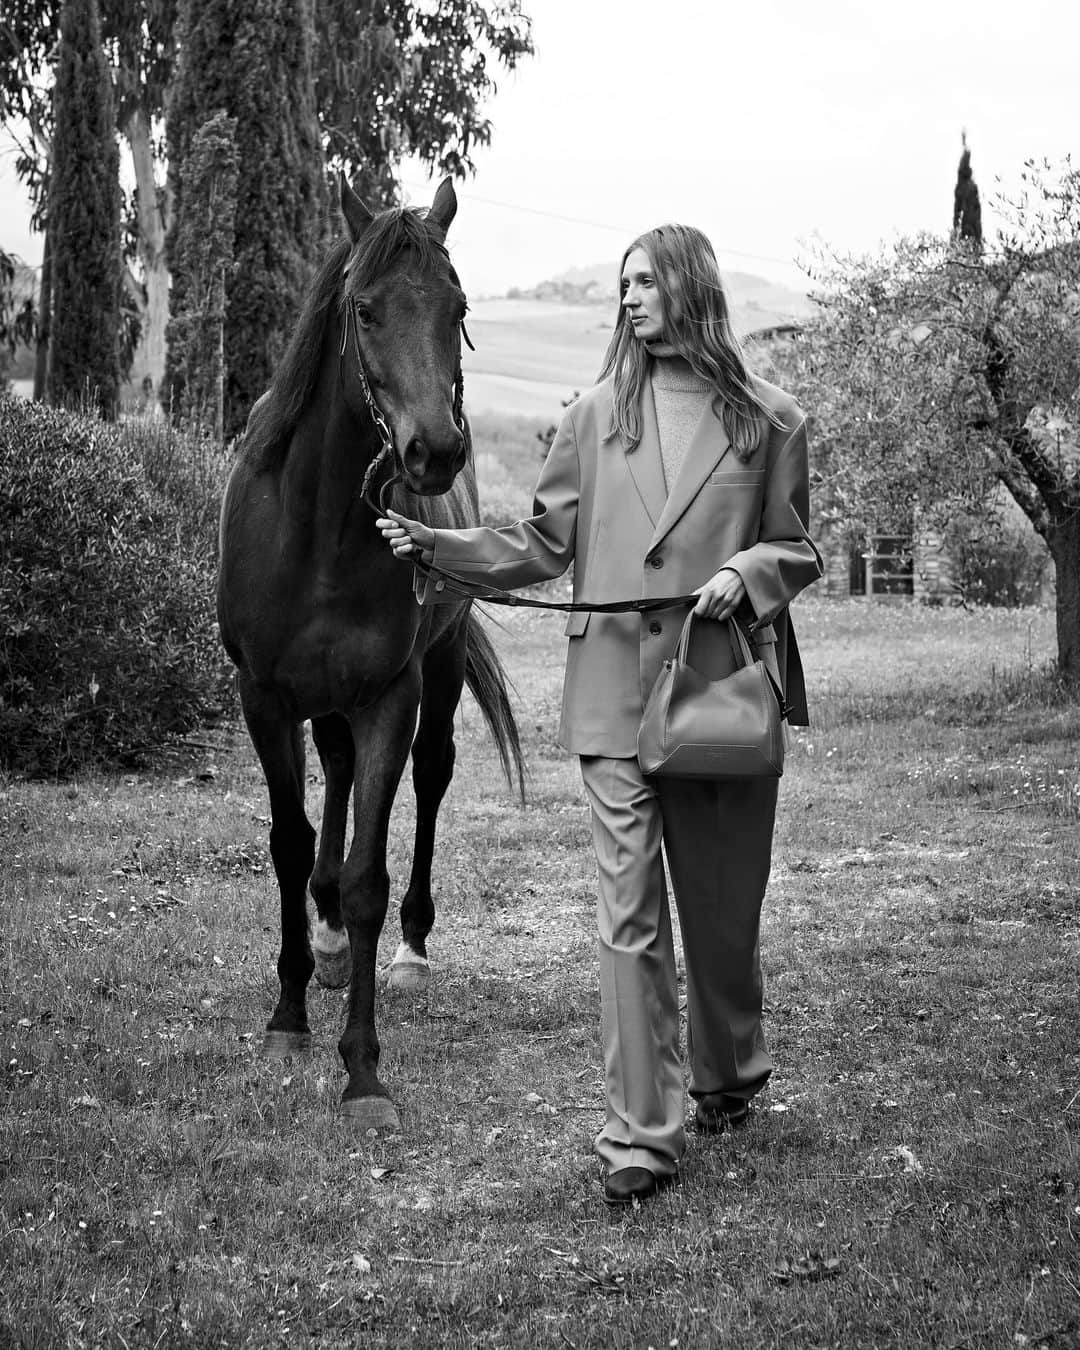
<point x="911" y="1177"/>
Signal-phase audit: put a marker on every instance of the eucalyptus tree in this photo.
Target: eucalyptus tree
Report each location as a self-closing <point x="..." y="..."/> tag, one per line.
<point x="393" y="78"/>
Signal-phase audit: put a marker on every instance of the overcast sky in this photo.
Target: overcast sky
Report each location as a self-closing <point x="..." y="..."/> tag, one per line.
<point x="765" y="124"/>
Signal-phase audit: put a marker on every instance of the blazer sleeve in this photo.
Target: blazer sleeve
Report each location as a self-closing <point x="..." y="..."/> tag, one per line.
<point x="784" y="560"/>
<point x="535" y="549"/>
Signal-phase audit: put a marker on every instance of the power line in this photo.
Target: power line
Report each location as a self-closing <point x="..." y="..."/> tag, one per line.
<point x="624" y="230"/>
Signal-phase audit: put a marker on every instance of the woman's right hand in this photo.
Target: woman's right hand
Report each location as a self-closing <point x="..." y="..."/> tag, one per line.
<point x="407" y="536"/>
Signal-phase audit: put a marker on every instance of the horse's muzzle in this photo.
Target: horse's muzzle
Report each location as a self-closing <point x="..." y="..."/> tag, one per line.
<point x="430" y="469"/>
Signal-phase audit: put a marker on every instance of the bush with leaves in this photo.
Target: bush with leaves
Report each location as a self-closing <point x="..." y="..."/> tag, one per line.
<point x="108" y="646"/>
<point x="994" y="558"/>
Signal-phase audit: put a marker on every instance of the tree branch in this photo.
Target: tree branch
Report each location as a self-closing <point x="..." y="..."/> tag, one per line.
<point x="1011" y="420"/>
<point x="1025" y="497"/>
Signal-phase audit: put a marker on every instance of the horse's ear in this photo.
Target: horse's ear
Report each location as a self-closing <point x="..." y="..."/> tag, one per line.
<point x="358" y="216"/>
<point x="444" y="207"/>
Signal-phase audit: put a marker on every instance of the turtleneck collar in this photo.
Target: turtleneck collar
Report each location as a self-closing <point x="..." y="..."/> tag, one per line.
<point x="660" y="348"/>
<point x="672" y="371"/>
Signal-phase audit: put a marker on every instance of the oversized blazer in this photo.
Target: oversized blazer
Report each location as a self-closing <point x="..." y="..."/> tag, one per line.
<point x="604" y="507"/>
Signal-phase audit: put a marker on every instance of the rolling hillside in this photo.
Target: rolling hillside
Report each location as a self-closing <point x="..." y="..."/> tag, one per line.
<point x="533" y="353"/>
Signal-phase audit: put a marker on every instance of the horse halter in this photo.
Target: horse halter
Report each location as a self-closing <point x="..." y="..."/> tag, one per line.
<point x="378" y="417"/>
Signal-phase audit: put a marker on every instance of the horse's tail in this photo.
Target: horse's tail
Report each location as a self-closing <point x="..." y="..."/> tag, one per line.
<point x="489" y="685"/>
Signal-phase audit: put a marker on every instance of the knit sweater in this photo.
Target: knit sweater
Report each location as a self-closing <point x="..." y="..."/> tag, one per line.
<point x="681" y="397"/>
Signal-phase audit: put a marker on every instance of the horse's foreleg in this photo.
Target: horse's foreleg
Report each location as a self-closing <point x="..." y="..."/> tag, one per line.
<point x="382" y="733"/>
<point x="279" y="744"/>
<point x="433" y="756"/>
<point x="329" y="940"/>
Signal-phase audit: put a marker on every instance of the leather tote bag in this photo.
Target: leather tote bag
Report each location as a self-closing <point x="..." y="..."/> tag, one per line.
<point x="697" y="727"/>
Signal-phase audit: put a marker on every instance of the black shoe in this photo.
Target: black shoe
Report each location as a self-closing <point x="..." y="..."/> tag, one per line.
<point x="716" y="1112"/>
<point x="628" y="1184"/>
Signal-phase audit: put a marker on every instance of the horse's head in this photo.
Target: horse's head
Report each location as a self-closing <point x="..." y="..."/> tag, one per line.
<point x="402" y="311"/>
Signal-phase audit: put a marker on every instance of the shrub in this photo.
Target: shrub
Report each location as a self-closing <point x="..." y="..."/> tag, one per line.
<point x="996" y="558"/>
<point x="108" y="645"/>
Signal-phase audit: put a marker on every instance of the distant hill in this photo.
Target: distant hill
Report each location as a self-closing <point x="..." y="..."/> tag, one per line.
<point x="756" y="302"/>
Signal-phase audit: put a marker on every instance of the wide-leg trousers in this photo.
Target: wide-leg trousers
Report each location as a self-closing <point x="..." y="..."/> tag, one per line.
<point x="717" y="836"/>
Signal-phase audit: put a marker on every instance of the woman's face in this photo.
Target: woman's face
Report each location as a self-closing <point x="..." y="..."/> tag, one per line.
<point x="641" y="297"/>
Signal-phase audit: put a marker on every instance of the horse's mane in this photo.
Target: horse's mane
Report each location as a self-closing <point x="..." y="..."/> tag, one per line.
<point x="275" y="415"/>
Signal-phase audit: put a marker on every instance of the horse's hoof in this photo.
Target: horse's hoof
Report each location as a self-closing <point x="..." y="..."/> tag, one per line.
<point x="282" y="1044"/>
<point x="371" y="1113"/>
<point x="333" y="956"/>
<point x="408" y="971"/>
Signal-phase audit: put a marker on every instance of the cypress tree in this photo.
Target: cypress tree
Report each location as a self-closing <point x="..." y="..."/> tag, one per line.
<point x="253" y="62"/>
<point x="84" y="219"/>
<point x="967" y="212"/>
<point x="203" y="253"/>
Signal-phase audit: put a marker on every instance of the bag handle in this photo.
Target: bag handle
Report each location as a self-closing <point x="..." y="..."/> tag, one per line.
<point x="742" y="650"/>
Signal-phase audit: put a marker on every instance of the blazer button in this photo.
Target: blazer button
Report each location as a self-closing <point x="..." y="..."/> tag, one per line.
<point x="656" y="628"/>
<point x="656" y="562"/>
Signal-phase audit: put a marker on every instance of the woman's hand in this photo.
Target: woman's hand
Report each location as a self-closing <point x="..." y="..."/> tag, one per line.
<point x="406" y="536"/>
<point x="720" y="597"/>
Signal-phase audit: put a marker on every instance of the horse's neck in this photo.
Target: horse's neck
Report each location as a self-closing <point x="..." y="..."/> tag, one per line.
<point x="323" y="472"/>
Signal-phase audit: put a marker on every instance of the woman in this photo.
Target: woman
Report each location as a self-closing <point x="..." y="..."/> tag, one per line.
<point x="678" y="473"/>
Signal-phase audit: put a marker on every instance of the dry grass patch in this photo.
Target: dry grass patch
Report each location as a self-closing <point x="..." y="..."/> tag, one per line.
<point x="912" y="1174"/>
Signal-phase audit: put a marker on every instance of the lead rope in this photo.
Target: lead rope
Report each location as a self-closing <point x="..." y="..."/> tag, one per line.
<point x="442" y="579"/>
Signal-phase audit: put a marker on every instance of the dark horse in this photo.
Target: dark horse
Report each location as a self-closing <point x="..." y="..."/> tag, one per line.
<point x="320" y="619"/>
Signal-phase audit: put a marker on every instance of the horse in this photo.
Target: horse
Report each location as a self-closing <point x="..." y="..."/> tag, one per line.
<point x="320" y="620"/>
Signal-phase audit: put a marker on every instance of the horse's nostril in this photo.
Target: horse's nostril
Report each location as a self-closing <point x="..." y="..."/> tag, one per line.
<point x="416" y="456"/>
<point x="435" y="460"/>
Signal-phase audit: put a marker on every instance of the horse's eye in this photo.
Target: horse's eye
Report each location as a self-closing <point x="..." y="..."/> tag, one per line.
<point x="364" y="316"/>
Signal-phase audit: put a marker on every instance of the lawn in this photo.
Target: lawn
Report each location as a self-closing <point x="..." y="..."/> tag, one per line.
<point x="910" y="1178"/>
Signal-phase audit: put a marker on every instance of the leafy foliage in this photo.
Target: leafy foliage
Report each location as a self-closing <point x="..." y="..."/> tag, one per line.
<point x="106" y="605"/>
<point x="253" y="62"/>
<point x="84" y="219"/>
<point x="18" y="318"/>
<point x="935" y="370"/>
<point x="400" y="77"/>
<point x="992" y="561"/>
<point x="393" y="77"/>
<point x="203" y="256"/>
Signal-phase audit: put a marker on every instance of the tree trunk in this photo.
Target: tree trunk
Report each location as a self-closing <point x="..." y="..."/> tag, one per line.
<point x="150" y="357"/>
<point x="41" y="353"/>
<point x="1064" y="541"/>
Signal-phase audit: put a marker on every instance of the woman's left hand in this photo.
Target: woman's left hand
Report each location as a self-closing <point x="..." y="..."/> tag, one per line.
<point x="720" y="597"/>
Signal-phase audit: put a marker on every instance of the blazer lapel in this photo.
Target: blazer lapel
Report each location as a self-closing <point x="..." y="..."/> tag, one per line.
<point x="709" y="446"/>
<point x="646" y="466"/>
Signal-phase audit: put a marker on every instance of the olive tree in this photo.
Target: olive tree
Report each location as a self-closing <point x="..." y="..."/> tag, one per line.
<point x="938" y="367"/>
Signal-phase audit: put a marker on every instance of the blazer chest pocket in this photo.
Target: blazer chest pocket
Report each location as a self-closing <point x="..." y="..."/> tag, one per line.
<point x="742" y="478"/>
<point x="576" y="623"/>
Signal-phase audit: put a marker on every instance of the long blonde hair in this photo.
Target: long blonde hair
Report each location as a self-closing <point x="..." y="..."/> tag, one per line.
<point x="697" y="324"/>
